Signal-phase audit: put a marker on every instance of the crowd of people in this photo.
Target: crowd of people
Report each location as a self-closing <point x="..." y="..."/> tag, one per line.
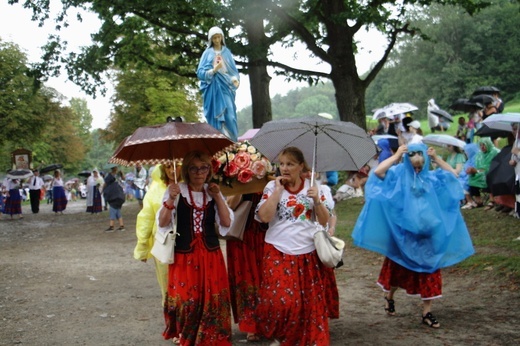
<point x="476" y="164"/>
<point x="57" y="193"/>
<point x="272" y="282"/>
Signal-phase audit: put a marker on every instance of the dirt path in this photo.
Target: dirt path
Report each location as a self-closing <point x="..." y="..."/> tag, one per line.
<point x="63" y="281"/>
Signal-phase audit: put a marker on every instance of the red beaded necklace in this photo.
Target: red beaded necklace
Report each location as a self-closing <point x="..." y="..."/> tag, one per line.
<point x="193" y="201"/>
<point x="297" y="190"/>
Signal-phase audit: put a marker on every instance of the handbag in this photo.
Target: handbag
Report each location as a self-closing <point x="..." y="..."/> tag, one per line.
<point x="163" y="248"/>
<point x="330" y="249"/>
<point x="236" y="231"/>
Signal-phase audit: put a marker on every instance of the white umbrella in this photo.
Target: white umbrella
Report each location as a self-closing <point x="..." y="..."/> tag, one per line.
<point x="502" y="121"/>
<point x="391" y="110"/>
<point x="443" y="140"/>
<point x="376" y="138"/>
<point x="330" y="145"/>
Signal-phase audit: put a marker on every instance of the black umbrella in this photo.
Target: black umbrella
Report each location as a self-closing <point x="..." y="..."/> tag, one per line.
<point x="19" y="174"/>
<point x="50" y="168"/>
<point x="443" y="114"/>
<point x="482" y="99"/>
<point x="85" y="174"/>
<point x="487" y="90"/>
<point x="501" y="176"/>
<point x="464" y="105"/>
<point x="486" y="131"/>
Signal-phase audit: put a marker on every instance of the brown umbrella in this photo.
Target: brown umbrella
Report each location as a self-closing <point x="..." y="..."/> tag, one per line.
<point x="164" y="143"/>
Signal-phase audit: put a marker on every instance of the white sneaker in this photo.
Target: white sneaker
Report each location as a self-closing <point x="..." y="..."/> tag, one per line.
<point x="469" y="206"/>
<point x="275" y="343"/>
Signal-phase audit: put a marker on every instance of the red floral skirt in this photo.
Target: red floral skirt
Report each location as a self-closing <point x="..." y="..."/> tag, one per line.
<point x="291" y="297"/>
<point x="426" y="285"/>
<point x="197" y="303"/>
<point x="244" y="259"/>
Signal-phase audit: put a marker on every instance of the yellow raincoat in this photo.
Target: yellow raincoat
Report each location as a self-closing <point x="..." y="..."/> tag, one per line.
<point x="146" y="227"/>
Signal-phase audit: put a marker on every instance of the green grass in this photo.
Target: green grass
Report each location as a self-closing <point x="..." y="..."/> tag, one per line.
<point x="492" y="233"/>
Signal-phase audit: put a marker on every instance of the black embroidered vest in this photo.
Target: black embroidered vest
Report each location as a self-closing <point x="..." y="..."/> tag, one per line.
<point x="185" y="227"/>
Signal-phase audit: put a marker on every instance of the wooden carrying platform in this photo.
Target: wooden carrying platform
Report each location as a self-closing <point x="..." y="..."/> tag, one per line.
<point x="255" y="185"/>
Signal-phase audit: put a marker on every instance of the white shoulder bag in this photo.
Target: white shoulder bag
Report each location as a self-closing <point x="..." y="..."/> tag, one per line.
<point x="164" y="243"/>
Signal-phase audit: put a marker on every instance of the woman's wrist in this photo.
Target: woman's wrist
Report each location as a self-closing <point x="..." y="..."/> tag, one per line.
<point x="169" y="206"/>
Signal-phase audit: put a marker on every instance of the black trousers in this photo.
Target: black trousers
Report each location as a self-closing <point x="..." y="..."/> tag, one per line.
<point x="34" y="196"/>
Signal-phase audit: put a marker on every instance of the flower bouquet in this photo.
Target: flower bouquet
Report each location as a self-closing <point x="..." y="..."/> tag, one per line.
<point x="242" y="170"/>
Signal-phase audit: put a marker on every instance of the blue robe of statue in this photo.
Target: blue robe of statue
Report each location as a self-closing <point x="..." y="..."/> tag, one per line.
<point x="218" y="91"/>
<point x="414" y="219"/>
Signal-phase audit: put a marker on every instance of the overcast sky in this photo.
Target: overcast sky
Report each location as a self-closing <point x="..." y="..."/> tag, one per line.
<point x="16" y="26"/>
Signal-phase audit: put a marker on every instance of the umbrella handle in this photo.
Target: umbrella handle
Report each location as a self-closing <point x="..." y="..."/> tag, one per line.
<point x="175" y="171"/>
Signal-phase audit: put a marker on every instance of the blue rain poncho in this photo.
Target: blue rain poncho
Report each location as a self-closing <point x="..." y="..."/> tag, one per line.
<point x="471" y="150"/>
<point x="414" y="219"/>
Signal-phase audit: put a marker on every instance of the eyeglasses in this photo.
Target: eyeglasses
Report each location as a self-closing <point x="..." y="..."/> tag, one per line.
<point x="413" y="153"/>
<point x="197" y="170"/>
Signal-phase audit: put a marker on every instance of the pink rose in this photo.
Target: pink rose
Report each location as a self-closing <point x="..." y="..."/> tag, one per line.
<point x="245" y="176"/>
<point x="231" y="169"/>
<point x="259" y="169"/>
<point x="215" y="165"/>
<point x="242" y="160"/>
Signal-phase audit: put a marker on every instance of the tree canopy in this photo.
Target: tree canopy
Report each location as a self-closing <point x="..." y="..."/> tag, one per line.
<point x="461" y="53"/>
<point x="32" y="116"/>
<point x="170" y="36"/>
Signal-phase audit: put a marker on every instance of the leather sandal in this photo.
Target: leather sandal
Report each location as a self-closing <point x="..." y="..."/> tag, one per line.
<point x="489" y="206"/>
<point x="252" y="337"/>
<point x="390" y="310"/>
<point x="430" y="320"/>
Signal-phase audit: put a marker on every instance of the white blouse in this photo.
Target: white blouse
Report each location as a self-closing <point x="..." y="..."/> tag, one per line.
<point x="291" y="230"/>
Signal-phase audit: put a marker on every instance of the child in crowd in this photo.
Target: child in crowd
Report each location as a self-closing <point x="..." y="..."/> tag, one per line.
<point x="462" y="129"/>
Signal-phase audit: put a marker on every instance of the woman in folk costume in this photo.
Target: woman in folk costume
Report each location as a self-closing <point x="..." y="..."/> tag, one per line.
<point x="244" y="260"/>
<point x="219" y="80"/>
<point x="146" y="227"/>
<point x="197" y="306"/>
<point x="412" y="216"/>
<point x="94" y="185"/>
<point x="59" y="199"/>
<point x="298" y="294"/>
<point x="13" y="200"/>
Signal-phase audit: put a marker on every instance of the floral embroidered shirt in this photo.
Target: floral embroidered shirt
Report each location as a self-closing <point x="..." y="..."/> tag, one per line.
<point x="292" y="229"/>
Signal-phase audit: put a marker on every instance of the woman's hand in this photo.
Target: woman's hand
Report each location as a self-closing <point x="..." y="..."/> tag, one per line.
<point x="280" y="183"/>
<point x="173" y="191"/>
<point x="213" y="190"/>
<point x="313" y="193"/>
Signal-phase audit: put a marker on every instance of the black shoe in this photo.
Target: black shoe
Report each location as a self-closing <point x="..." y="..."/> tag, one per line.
<point x="110" y="229"/>
<point x="430" y="320"/>
<point x="390" y="306"/>
<point x="121" y="228"/>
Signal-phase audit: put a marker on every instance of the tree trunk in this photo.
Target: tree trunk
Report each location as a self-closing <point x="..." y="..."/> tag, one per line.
<point x="259" y="79"/>
<point x="350" y="97"/>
